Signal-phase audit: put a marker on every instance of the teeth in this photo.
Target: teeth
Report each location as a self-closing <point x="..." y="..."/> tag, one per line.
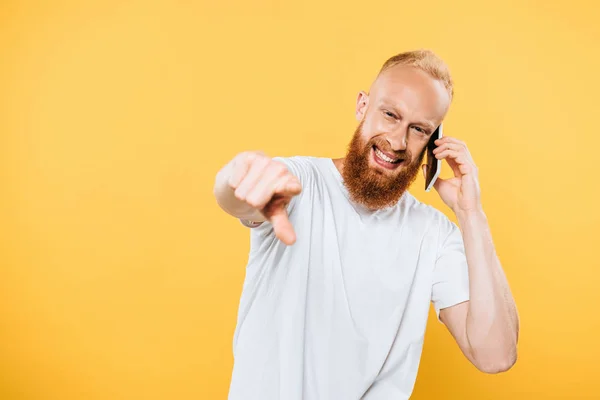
<point x="384" y="157"/>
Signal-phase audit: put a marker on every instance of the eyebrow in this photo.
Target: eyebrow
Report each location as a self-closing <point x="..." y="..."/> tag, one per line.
<point x="427" y="124"/>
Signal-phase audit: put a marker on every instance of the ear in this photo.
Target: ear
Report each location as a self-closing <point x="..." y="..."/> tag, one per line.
<point x="362" y="103"/>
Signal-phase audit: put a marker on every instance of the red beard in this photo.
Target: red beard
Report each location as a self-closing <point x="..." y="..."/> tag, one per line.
<point x="369" y="187"/>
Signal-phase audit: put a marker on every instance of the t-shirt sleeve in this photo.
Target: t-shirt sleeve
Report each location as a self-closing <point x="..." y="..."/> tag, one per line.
<point x="451" y="274"/>
<point x="295" y="166"/>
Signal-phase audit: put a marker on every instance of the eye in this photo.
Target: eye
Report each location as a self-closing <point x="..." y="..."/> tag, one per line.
<point x="389" y="114"/>
<point x="420" y="130"/>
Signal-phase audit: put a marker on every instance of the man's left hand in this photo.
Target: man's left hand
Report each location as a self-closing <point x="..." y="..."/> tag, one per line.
<point x="461" y="193"/>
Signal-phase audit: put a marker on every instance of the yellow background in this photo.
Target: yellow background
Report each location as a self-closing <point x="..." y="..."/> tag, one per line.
<point x="120" y="277"/>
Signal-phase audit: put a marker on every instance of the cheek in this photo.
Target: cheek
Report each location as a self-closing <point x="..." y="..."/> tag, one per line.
<point x="417" y="150"/>
<point x="381" y="126"/>
<point x="374" y="123"/>
<point x="372" y="131"/>
<point x="367" y="134"/>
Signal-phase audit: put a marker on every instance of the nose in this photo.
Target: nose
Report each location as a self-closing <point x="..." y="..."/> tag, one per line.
<point x="397" y="138"/>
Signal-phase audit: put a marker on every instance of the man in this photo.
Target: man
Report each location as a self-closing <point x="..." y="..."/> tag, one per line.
<point x="344" y="261"/>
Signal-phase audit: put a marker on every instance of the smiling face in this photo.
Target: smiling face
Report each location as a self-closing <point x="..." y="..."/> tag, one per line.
<point x="397" y="118"/>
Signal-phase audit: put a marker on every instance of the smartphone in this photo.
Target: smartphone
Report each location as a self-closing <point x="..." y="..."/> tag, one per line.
<point x="434" y="166"/>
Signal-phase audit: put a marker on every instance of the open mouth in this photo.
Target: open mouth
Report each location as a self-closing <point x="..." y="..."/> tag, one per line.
<point x="385" y="160"/>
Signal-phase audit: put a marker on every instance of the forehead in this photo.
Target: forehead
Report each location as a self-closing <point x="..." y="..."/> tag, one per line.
<point x="413" y="91"/>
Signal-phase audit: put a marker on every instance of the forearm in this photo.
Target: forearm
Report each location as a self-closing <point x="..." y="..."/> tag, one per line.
<point x="225" y="196"/>
<point x="492" y="320"/>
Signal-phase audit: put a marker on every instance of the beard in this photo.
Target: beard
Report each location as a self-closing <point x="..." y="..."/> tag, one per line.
<point x="372" y="188"/>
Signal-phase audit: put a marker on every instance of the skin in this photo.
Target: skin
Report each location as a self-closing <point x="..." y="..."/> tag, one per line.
<point x="400" y="113"/>
<point x="486" y="326"/>
<point x="255" y="187"/>
<point x="399" y="116"/>
<point x="404" y="107"/>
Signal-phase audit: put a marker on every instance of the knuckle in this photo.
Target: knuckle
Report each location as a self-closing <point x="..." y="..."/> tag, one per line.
<point x="238" y="195"/>
<point x="231" y="183"/>
<point x="278" y="167"/>
<point x="253" y="201"/>
<point x="269" y="209"/>
<point x="251" y="156"/>
<point x="261" y="159"/>
<point x="244" y="155"/>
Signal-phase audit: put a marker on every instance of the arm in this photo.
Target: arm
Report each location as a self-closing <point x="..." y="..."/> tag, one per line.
<point x="485" y="327"/>
<point x="255" y="187"/>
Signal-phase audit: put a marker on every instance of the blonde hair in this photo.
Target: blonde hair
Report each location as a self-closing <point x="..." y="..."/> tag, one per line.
<point x="425" y="60"/>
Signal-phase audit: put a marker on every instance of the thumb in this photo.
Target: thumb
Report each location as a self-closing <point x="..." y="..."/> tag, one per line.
<point x="436" y="184"/>
<point x="282" y="226"/>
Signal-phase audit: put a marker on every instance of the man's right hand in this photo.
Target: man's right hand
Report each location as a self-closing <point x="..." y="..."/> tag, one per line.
<point x="267" y="186"/>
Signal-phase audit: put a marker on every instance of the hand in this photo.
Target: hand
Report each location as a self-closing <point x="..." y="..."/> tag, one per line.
<point x="267" y="186"/>
<point x="461" y="193"/>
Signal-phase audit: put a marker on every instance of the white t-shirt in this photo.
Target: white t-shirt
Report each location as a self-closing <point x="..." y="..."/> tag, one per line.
<point x="341" y="314"/>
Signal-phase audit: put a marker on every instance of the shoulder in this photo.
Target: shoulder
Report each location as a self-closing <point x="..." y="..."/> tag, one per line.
<point x="427" y="214"/>
<point x="305" y="168"/>
<point x="298" y="161"/>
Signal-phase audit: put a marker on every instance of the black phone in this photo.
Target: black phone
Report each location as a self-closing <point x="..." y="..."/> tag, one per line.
<point x="434" y="166"/>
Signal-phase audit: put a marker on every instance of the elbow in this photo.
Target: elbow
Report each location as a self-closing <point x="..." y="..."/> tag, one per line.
<point x="497" y="363"/>
<point x="498" y="366"/>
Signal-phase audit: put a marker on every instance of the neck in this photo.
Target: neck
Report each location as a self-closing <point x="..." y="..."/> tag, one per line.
<point x="339" y="164"/>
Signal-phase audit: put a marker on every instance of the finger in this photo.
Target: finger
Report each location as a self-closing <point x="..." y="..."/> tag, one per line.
<point x="459" y="163"/>
<point x="449" y="139"/>
<point x="240" y="166"/>
<point x="283" y="227"/>
<point x="289" y="187"/>
<point x="437" y="183"/>
<point x="445" y="146"/>
<point x="272" y="178"/>
<point x="453" y="158"/>
<point x="454" y="144"/>
<point x="454" y="154"/>
<point x="467" y="168"/>
<point x="239" y="171"/>
<point x="276" y="213"/>
<point x="252" y="177"/>
<point x="455" y="167"/>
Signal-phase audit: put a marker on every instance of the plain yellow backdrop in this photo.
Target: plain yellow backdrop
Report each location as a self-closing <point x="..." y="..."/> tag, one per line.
<point x="120" y="277"/>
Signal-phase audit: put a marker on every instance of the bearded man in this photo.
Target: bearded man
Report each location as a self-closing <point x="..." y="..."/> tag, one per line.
<point x="344" y="261"/>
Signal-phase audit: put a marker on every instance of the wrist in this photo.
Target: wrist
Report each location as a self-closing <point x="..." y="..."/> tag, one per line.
<point x="470" y="214"/>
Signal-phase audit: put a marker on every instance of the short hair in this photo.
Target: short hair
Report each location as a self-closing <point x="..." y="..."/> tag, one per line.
<point x="425" y="60"/>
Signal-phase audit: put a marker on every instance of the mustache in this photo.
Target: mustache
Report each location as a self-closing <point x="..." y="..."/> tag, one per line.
<point x="385" y="147"/>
